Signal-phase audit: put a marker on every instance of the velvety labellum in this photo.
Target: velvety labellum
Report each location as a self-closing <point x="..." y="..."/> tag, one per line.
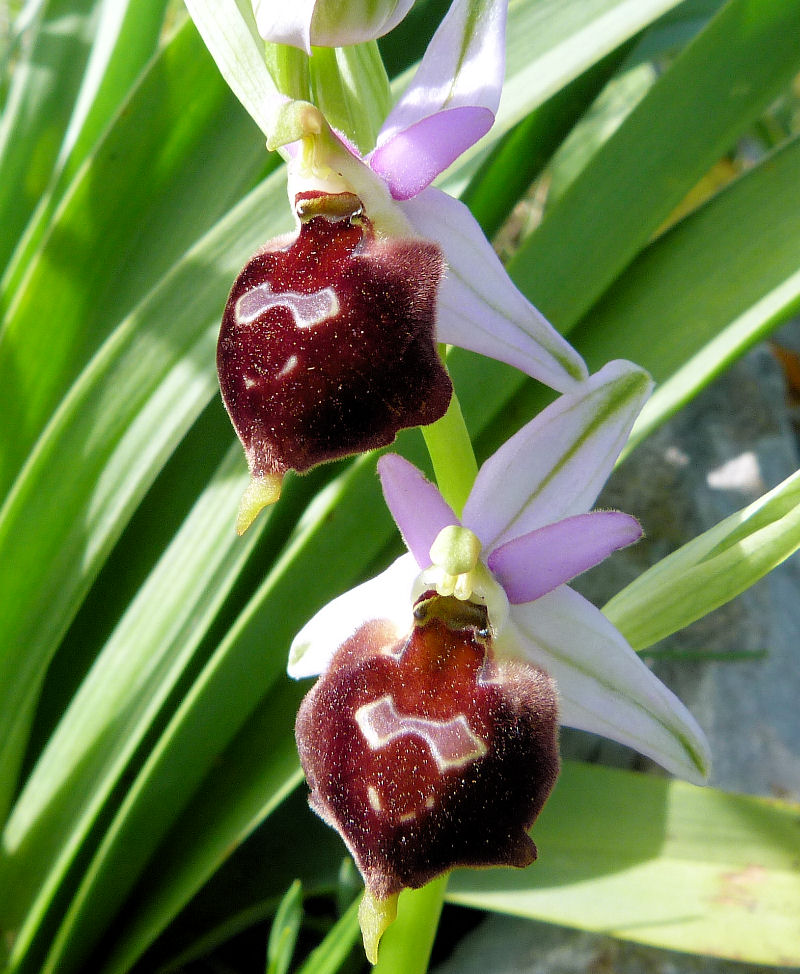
<point x="426" y="753"/>
<point x="328" y="343"/>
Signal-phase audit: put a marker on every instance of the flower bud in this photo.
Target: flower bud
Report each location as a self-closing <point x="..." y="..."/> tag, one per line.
<point x="328" y="346"/>
<point x="428" y="753"/>
<point x="327" y="23"/>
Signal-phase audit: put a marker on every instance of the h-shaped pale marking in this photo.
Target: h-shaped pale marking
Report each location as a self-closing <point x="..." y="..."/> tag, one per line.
<point x="308" y="310"/>
<point x="452" y="742"/>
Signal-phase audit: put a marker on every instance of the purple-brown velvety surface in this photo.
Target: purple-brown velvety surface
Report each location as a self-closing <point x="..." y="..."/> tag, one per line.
<point x="328" y="345"/>
<point x="426" y="753"/>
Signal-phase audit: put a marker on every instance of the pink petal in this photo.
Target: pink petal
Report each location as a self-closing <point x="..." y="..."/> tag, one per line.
<point x="416" y="505"/>
<point x="556" y="465"/>
<point x="463" y="67"/>
<point x="410" y="160"/>
<point x="530" y="566"/>
<point x="603" y="686"/>
<point x="480" y="307"/>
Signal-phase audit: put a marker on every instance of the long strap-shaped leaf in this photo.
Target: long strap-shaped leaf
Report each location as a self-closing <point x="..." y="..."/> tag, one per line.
<point x="711" y="569"/>
<point x="101" y="451"/>
<point x="659" y="862"/>
<point x="694" y="114"/>
<point x="126" y="37"/>
<point x="550" y="44"/>
<point x="120" y="698"/>
<point x="707" y="289"/>
<point x="37" y="112"/>
<point x="176" y="159"/>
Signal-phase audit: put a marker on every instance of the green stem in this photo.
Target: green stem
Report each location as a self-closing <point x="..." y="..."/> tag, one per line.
<point x="289" y="69"/>
<point x="406" y="945"/>
<point x="452" y="456"/>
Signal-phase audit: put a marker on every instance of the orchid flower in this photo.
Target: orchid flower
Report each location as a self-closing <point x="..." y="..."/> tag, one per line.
<point x="327" y="23"/>
<point x="526" y="531"/>
<point x="382" y="267"/>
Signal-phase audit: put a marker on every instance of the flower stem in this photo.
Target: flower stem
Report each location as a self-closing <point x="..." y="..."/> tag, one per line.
<point x="452" y="455"/>
<point x="406" y="945"/>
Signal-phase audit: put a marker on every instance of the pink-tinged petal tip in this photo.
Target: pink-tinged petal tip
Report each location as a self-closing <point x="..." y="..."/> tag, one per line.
<point x="412" y="158"/>
<point x="451" y="101"/>
<point x="416" y="505"/>
<point x="556" y="465"/>
<point x="536" y="563"/>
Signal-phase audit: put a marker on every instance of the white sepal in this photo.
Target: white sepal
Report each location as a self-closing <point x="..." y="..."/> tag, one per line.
<point x="603" y="685"/>
<point x="387" y="596"/>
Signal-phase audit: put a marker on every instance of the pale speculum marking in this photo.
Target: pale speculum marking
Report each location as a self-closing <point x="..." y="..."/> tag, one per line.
<point x="374" y="799"/>
<point x="452" y="742"/>
<point x="307" y="310"/>
<point x="289" y="366"/>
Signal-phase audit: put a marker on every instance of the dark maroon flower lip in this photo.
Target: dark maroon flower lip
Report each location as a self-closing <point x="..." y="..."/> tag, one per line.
<point x="427" y="752"/>
<point x="328" y="343"/>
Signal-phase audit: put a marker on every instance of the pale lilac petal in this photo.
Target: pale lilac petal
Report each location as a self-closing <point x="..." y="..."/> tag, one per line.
<point x="416" y="505"/>
<point x="414" y="157"/>
<point x="533" y="565"/>
<point x="463" y="67"/>
<point x="556" y="465"/>
<point x="480" y="308"/>
<point x="387" y="597"/>
<point x="603" y="686"/>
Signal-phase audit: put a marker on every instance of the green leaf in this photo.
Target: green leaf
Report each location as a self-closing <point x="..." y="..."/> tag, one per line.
<point x="123" y="417"/>
<point x="690" y="117"/>
<point x="120" y="698"/>
<point x="711" y="569"/>
<point x="659" y="862"/>
<point x="549" y="44"/>
<point x="126" y="36"/>
<point x="37" y="112"/>
<point x="707" y="289"/>
<point x="335" y="948"/>
<point x="700" y="295"/>
<point x="253" y="782"/>
<point x="229" y="30"/>
<point x="284" y="930"/>
<point x="148" y="219"/>
<point x="521" y="155"/>
<point x="617" y="100"/>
